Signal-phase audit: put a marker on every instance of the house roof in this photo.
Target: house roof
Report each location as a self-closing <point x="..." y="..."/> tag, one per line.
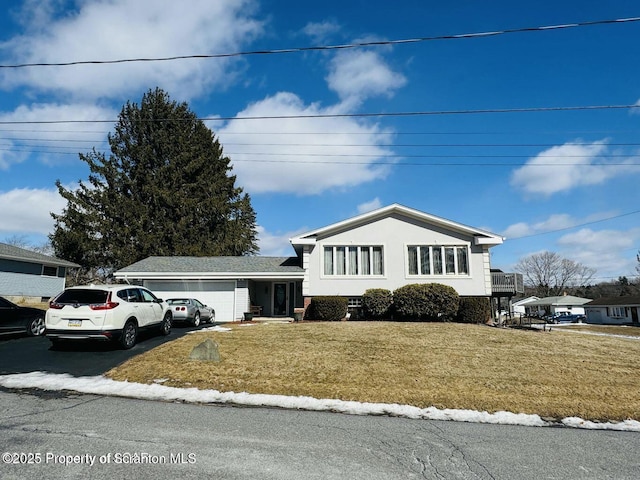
<point x="213" y="267"/>
<point x="482" y="237"/>
<point x="560" y="301"/>
<point x="526" y="301"/>
<point x="11" y="252"/>
<point x="620" y="300"/>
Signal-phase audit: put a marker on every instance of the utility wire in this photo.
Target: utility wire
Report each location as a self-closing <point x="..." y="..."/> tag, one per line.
<point x="18" y="141"/>
<point x="347" y="115"/>
<point x="576" y="226"/>
<point x="382" y="163"/>
<point x="332" y="47"/>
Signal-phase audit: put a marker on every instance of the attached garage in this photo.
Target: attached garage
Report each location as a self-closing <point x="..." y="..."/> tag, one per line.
<point x="220" y="295"/>
<point x="231" y="285"/>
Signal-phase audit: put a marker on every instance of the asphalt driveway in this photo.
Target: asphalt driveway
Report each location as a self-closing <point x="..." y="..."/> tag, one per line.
<point x="21" y="354"/>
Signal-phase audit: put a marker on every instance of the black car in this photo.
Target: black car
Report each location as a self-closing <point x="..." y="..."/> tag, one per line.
<point x="17" y="319"/>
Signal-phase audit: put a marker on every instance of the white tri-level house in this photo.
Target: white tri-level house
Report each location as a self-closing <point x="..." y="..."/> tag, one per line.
<point x="386" y="248"/>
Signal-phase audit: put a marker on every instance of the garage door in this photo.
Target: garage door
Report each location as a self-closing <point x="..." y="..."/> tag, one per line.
<point x="219" y="295"/>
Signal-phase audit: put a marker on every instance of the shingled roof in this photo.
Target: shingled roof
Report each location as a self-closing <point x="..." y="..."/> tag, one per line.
<point x="237" y="265"/>
<point x="11" y="252"/>
<point x="612" y="301"/>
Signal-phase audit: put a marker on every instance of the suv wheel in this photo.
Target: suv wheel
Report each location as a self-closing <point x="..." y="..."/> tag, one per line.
<point x="129" y="335"/>
<point x="165" y="325"/>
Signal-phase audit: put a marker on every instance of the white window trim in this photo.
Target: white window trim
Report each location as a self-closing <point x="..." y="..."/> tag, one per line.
<point x="359" y="246"/>
<point x="442" y="246"/>
<point x="618" y="312"/>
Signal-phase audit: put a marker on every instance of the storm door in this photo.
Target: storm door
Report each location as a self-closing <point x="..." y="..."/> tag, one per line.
<point x="280" y="300"/>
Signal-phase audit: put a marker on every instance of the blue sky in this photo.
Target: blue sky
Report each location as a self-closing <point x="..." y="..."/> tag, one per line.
<point x="562" y="181"/>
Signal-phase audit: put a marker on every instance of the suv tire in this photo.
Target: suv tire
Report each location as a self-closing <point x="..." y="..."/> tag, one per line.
<point x="129" y="335"/>
<point x="165" y="325"/>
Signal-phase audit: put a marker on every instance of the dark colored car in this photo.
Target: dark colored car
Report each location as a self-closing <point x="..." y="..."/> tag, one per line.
<point x="566" y="317"/>
<point x="17" y="319"/>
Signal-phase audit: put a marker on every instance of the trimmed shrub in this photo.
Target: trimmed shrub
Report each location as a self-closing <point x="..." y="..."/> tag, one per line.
<point x="432" y="302"/>
<point x="327" y="308"/>
<point x="474" y="310"/>
<point x="376" y="303"/>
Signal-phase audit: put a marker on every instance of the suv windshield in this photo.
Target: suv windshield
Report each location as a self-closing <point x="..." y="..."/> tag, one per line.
<point x="83" y="297"/>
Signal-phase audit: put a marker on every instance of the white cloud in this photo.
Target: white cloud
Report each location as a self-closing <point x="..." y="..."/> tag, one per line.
<point x="302" y="156"/>
<point x="359" y="74"/>
<point x="608" y="251"/>
<point x="119" y="29"/>
<point x="369" y="206"/>
<point x="276" y="244"/>
<point x="554" y="222"/>
<point x="320" y="31"/>
<point x="27" y="211"/>
<point x="46" y="139"/>
<point x="565" y="167"/>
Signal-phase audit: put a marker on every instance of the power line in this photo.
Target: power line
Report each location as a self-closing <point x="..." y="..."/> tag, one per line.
<point x="395" y="133"/>
<point x="331" y="47"/>
<point x="19" y="143"/>
<point x="576" y="226"/>
<point x="379" y="163"/>
<point x="346" y="115"/>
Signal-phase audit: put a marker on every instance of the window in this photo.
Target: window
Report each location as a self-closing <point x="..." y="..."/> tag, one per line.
<point x="618" y="312"/>
<point x="437" y="260"/>
<point x="49" y="271"/>
<point x="354" y="302"/>
<point x="353" y="260"/>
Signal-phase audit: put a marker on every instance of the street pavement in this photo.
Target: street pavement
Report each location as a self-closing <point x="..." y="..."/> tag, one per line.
<point x="62" y="435"/>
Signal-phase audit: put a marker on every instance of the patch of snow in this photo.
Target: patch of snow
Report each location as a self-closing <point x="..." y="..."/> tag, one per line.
<point x="100" y="385"/>
<point x="217" y="328"/>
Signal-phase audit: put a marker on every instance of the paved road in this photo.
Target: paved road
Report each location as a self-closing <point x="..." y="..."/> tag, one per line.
<point x="20" y="354"/>
<point x="222" y="442"/>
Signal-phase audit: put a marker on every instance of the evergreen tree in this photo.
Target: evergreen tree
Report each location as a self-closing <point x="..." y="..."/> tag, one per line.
<point x="165" y="189"/>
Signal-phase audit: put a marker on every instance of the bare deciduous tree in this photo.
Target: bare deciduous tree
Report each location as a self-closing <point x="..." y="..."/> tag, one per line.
<point x="550" y="274"/>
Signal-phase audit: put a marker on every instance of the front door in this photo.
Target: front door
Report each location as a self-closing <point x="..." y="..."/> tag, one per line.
<point x="634" y="314"/>
<point x="280" y="300"/>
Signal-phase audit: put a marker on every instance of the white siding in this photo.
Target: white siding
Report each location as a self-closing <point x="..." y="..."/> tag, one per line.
<point x="242" y="302"/>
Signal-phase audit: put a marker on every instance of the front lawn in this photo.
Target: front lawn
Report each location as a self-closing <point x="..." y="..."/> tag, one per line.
<point x="446" y="365"/>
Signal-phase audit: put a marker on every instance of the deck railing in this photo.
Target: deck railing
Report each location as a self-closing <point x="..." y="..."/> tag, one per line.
<point x="507" y="282"/>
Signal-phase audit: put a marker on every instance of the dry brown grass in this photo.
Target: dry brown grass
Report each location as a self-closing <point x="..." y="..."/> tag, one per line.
<point x="553" y="374"/>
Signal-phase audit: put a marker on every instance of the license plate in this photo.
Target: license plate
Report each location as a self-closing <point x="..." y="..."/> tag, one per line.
<point x="75" y="323"/>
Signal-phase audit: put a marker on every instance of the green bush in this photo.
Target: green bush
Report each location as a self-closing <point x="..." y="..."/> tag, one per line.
<point x="474" y="310"/>
<point x="432" y="302"/>
<point x="329" y="308"/>
<point x="376" y="303"/>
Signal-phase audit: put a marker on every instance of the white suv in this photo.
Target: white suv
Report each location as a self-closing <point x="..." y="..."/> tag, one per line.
<point x="106" y="312"/>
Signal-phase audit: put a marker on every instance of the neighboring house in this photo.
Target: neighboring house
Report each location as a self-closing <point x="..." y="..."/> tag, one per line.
<point x="557" y="304"/>
<point x="523" y="307"/>
<point x="24" y="273"/>
<point x="386" y="248"/>
<point x="614" y="310"/>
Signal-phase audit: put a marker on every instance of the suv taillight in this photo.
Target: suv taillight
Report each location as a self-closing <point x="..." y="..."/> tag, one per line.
<point x="56" y="306"/>
<point x="108" y="305"/>
<point x="103" y="306"/>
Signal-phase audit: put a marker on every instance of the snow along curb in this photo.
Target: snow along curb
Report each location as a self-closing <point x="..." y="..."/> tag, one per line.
<point x="100" y="385"/>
